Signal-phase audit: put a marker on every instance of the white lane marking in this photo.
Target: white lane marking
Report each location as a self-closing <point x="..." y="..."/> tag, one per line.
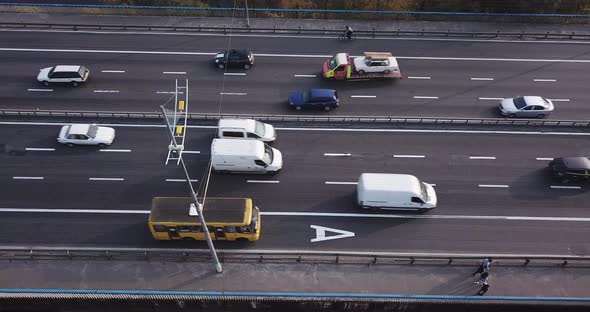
<point x="425" y="97"/>
<point x="38" y="210"/>
<point x="305" y="76"/>
<point x="106" y="179"/>
<point x="168" y="92"/>
<point x="115" y="150"/>
<point x="559" y="100"/>
<point x="106" y="91"/>
<point x="363" y="96"/>
<point x="482" y="157"/>
<point x="544" y="158"/>
<point x="40" y="90"/>
<point x="320" y="233"/>
<point x="28" y="178"/>
<point x="174" y="73"/>
<point x="232" y="93"/>
<point x="493" y="185"/>
<point x="416" y="77"/>
<point x="263" y="181"/>
<point x="482" y="79"/>
<point x="234" y="74"/>
<point x="341" y="183"/>
<point x="544" y="80"/>
<point x="338" y="154"/>
<point x="569" y="187"/>
<point x="181" y="180"/>
<point x="112" y="71"/>
<point x="490" y="99"/>
<point x="409" y="156"/>
<point x="40" y="149"/>
<point x="191" y="152"/>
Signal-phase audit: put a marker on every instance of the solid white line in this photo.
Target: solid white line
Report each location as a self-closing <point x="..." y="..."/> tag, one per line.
<point x="263" y="181"/>
<point x="106" y="91"/>
<point x="409" y="156"/>
<point x="363" y="96"/>
<point x="425" y="97"/>
<point x="490" y="98"/>
<point x="234" y="74"/>
<point x="106" y="179"/>
<point x="168" y="92"/>
<point x="180" y="180"/>
<point x="40" y="90"/>
<point x="482" y="79"/>
<point x="28" y="178"/>
<point x="341" y="183"/>
<point x="338" y="154"/>
<point x="112" y="71"/>
<point x="544" y="80"/>
<point x="40" y="149"/>
<point x="191" y="152"/>
<point x="559" y="100"/>
<point x="482" y="157"/>
<point x="38" y="210"/>
<point x="116" y="150"/>
<point x="544" y="158"/>
<point x="305" y="76"/>
<point x="232" y="93"/>
<point x="494" y="185"/>
<point x="423" y="78"/>
<point x="174" y="73"/>
<point x="566" y="187"/>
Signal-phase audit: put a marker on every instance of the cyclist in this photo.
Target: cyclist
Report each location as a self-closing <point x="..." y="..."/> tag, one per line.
<point x="348" y="32"/>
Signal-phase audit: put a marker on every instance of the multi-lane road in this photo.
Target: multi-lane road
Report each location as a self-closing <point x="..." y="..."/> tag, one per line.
<point x="495" y="194"/>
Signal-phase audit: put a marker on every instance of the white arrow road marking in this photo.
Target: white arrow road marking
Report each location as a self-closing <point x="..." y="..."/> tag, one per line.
<point x="320" y="233"/>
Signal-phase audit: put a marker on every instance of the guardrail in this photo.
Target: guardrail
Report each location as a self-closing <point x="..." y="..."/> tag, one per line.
<point x="283" y="256"/>
<point x="372" y="33"/>
<point x="305" y="118"/>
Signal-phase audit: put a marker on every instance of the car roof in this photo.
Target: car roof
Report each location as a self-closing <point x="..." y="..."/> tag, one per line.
<point x="78" y="129"/>
<point x="248" y="124"/>
<point x="66" y="68"/>
<point x="390" y="181"/>
<point x="575" y="162"/>
<point x="535" y="100"/>
<point x="322" y="93"/>
<point x="240" y="51"/>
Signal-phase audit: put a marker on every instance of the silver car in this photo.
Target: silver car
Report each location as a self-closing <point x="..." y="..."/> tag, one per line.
<point x="526" y="106"/>
<point x="86" y="134"/>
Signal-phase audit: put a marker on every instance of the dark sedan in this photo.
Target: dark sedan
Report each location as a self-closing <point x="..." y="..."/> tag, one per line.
<point x="234" y="58"/>
<point x="325" y="99"/>
<point x="570" y="168"/>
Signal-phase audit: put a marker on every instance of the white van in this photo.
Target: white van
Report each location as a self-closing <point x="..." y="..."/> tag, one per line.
<point x="243" y="155"/>
<point x="394" y="191"/>
<point x="245" y="129"/>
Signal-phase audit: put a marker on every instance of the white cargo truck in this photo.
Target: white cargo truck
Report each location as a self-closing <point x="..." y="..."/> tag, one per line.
<point x="245" y="156"/>
<point x="394" y="191"/>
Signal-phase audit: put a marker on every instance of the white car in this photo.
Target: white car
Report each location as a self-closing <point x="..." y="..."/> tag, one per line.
<point x="526" y="106"/>
<point x="74" y="74"/>
<point x="86" y="134"/>
<point x="376" y="62"/>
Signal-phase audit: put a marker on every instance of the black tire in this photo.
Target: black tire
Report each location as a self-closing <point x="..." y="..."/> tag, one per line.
<point x="361" y="72"/>
<point x="75" y="84"/>
<point x="102" y="145"/>
<point x="247" y="66"/>
<point x="70" y="144"/>
<point x="341" y="37"/>
<point x="327" y="108"/>
<point x="46" y="83"/>
<point x="298" y="108"/>
<point x="220" y="66"/>
<point x="541" y="116"/>
<point x="387" y="71"/>
<point x="511" y="115"/>
<point x="422" y="210"/>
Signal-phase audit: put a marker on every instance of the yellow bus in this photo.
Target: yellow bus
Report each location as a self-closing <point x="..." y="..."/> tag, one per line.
<point x="227" y="219"/>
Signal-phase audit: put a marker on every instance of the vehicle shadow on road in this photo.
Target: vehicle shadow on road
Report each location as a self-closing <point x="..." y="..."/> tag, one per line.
<point x="540" y="185"/>
<point x="461" y="285"/>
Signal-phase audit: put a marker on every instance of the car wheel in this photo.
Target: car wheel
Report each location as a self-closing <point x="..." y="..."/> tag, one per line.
<point x="511" y="115"/>
<point x="298" y="107"/>
<point x="46" y="83"/>
<point x="247" y="66"/>
<point x="220" y="66"/>
<point x="102" y="145"/>
<point x="387" y="71"/>
<point x="327" y="108"/>
<point x="70" y="144"/>
<point x="75" y="84"/>
<point x="362" y="72"/>
<point x="540" y="116"/>
<point x="422" y="210"/>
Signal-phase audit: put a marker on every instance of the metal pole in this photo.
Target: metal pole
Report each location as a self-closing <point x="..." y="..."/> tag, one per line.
<point x="247" y="15"/>
<point x="218" y="266"/>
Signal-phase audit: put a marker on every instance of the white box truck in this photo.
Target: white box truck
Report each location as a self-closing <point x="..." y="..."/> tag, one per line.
<point x="243" y="155"/>
<point x="394" y="191"/>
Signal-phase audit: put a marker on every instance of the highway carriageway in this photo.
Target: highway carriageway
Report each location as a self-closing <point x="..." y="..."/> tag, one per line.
<point x="495" y="194"/>
<point x="453" y="79"/>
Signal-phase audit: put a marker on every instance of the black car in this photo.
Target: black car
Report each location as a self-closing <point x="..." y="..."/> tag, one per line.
<point x="570" y="168"/>
<point x="234" y="58"/>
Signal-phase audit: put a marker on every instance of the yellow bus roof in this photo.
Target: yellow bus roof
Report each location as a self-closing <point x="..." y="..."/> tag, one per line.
<point x="232" y="211"/>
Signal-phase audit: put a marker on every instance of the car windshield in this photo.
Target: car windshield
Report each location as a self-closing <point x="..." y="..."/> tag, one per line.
<point x="259" y="129"/>
<point x="424" y="192"/>
<point x="333" y="64"/>
<point x="92" y="131"/>
<point x="268" y="156"/>
<point x="305" y="96"/>
<point x="519" y="102"/>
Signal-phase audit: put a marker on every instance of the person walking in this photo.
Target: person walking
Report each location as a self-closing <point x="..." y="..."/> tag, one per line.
<point x="484" y="266"/>
<point x="483" y="278"/>
<point x="484" y="288"/>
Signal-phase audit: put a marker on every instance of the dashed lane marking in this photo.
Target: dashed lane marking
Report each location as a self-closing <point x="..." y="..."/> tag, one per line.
<point x="409" y="156"/>
<point x="544" y="158"/>
<point x="425" y="97"/>
<point x="174" y="73"/>
<point x="191" y="152"/>
<point x="482" y="157"/>
<point x="341" y="183"/>
<point x="490" y="99"/>
<point x="168" y="92"/>
<point x="28" y="178"/>
<point x="493" y="185"/>
<point x="544" y="80"/>
<point x="115" y="150"/>
<point x="559" y="100"/>
<point x="40" y="90"/>
<point x="305" y="76"/>
<point x="363" y="96"/>
<point x="422" y="78"/>
<point x="567" y="187"/>
<point x="40" y="149"/>
<point x="481" y="79"/>
<point x="232" y="93"/>
<point x="112" y="71"/>
<point x="234" y="74"/>
<point x="106" y="91"/>
<point x="337" y="154"/>
<point x="181" y="180"/>
<point x="106" y="179"/>
<point x="263" y="181"/>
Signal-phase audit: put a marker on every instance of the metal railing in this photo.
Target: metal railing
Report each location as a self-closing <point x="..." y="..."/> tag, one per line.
<point x="304" y="118"/>
<point x="372" y="33"/>
<point x="283" y="256"/>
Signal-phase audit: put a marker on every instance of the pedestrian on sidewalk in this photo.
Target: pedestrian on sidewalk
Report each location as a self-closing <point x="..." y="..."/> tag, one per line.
<point x="484" y="288"/>
<point x="484" y="266"/>
<point x="483" y="278"/>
